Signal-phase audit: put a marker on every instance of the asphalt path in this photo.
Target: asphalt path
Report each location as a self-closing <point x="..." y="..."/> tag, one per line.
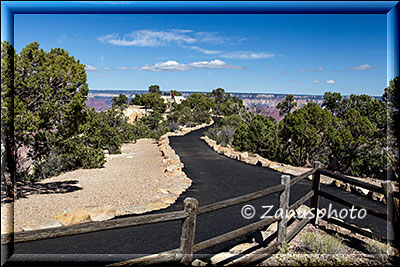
<point x="214" y="178"/>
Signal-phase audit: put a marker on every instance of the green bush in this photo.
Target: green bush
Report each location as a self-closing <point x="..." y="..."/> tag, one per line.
<point x="152" y="100"/>
<point x="321" y="243"/>
<point x="183" y="115"/>
<point x="313" y="249"/>
<point x="70" y="155"/>
<point x="379" y="250"/>
<point x="347" y="135"/>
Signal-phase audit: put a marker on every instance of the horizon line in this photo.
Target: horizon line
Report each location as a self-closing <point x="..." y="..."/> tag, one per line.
<point x="294" y="94"/>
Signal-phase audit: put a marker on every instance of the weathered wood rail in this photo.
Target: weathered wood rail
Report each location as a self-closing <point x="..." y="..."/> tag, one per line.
<point x="387" y="189"/>
<point x="184" y="254"/>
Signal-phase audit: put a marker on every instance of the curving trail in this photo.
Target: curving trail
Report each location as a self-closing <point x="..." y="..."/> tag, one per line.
<point x="214" y="178"/>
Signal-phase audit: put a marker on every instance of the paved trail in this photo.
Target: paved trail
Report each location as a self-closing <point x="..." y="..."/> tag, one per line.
<point x="215" y="178"/>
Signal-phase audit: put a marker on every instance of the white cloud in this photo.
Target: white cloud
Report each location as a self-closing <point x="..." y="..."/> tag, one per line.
<point x="327" y="81"/>
<point x="362" y="67"/>
<point x="307" y="70"/>
<point x="173" y="65"/>
<point x="205" y="51"/>
<point x="214" y="64"/>
<point x="313" y="70"/>
<point x="210" y="37"/>
<point x="183" y="38"/>
<point x="90" y="68"/>
<point x="160" y="38"/>
<point x="108" y="37"/>
<point x="248" y="55"/>
<point x="234" y="54"/>
<point x="170" y="65"/>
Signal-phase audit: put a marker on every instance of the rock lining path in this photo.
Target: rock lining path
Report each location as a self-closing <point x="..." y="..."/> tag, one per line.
<point x="144" y="177"/>
<point x="132" y="182"/>
<point x="214" y="178"/>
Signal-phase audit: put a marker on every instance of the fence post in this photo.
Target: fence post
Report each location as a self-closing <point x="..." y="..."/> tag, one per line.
<point x="315" y="187"/>
<point x="188" y="230"/>
<point x="284" y="208"/>
<point x="388" y="190"/>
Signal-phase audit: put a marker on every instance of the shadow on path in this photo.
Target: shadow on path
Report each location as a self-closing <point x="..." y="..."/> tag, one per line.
<point x="214" y="178"/>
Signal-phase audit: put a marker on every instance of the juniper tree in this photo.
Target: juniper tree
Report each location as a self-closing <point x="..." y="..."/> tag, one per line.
<point x="7" y="115"/>
<point x="286" y="105"/>
<point x="49" y="97"/>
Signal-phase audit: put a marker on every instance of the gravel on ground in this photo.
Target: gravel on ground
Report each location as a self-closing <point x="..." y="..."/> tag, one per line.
<point x="133" y="178"/>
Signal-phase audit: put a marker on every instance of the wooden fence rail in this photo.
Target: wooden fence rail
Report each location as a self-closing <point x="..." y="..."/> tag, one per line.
<point x="351" y="181"/>
<point x="184" y="254"/>
<point x="283" y="234"/>
<point x="90" y="227"/>
<point x="241" y="199"/>
<point x="379" y="214"/>
<point x="391" y="215"/>
<point x="188" y="230"/>
<point x="284" y="207"/>
<point x="316" y="184"/>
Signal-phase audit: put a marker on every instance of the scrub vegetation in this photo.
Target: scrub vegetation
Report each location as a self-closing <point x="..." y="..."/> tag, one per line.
<point x="47" y="128"/>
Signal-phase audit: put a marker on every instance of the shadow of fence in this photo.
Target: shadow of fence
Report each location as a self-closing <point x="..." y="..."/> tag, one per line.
<point x="284" y="234"/>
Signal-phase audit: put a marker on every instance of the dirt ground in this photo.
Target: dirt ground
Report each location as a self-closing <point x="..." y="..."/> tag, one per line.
<point x="132" y="178"/>
<point x="354" y="252"/>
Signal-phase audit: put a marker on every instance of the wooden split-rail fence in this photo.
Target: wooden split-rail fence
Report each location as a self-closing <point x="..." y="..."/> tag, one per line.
<point x="184" y="254"/>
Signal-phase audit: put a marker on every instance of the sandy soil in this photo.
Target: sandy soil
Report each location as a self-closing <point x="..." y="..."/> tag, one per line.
<point x="131" y="178"/>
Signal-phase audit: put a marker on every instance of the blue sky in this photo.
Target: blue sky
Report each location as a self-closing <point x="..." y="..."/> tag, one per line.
<point x="297" y="54"/>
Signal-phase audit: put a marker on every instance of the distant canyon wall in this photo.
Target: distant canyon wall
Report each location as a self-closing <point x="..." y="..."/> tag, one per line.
<point x="264" y="104"/>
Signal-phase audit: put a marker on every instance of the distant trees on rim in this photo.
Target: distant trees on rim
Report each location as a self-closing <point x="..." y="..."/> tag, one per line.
<point x="44" y="115"/>
<point x="46" y="126"/>
<point x="347" y="134"/>
<point x="120" y="101"/>
<point x="48" y="129"/>
<point x="286" y="105"/>
<point x="155" y="89"/>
